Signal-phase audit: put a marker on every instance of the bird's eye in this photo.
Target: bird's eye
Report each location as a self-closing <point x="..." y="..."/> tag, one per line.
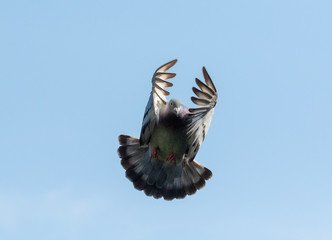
<point x="171" y="103"/>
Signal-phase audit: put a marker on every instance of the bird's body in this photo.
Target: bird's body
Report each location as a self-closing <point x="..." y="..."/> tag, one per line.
<point x="168" y="140"/>
<point x="169" y="136"/>
<point x="161" y="162"/>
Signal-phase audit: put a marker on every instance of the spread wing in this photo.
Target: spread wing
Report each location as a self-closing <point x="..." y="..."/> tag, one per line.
<point x="156" y="101"/>
<point x="200" y="118"/>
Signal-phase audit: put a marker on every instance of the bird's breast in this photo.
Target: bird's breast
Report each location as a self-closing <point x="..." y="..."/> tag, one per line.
<point x="168" y="140"/>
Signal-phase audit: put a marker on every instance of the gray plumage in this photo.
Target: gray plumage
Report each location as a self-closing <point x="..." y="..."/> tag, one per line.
<point x="162" y="161"/>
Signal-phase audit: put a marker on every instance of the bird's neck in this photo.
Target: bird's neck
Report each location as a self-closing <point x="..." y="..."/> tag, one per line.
<point x="172" y="121"/>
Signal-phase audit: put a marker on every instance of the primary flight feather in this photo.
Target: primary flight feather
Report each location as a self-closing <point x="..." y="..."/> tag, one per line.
<point x="162" y="161"/>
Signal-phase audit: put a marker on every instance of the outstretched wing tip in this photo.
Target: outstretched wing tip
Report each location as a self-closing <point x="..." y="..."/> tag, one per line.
<point x="201" y="116"/>
<point x="159" y="83"/>
<point x="166" y="66"/>
<point x="208" y="79"/>
<point x="206" y="94"/>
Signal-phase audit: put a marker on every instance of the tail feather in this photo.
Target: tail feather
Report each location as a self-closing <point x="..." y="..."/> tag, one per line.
<point x="161" y="180"/>
<point x="189" y="186"/>
<point x="128" y="151"/>
<point x="149" y="190"/>
<point x="202" y="171"/>
<point x="158" y="193"/>
<point x="140" y="184"/>
<point x="158" y="178"/>
<point x="156" y="171"/>
<point x="128" y="140"/>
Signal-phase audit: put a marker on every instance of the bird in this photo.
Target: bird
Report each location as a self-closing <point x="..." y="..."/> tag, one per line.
<point x="161" y="162"/>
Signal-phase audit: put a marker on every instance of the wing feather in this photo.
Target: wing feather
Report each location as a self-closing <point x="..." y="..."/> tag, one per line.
<point x="156" y="101"/>
<point x="201" y="94"/>
<point x="204" y="87"/>
<point x="208" y="80"/>
<point x="200" y="118"/>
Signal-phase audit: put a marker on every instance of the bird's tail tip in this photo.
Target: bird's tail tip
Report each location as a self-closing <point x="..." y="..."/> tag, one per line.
<point x="156" y="178"/>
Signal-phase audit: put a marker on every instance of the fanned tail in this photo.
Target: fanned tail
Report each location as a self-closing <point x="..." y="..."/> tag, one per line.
<point x="158" y="178"/>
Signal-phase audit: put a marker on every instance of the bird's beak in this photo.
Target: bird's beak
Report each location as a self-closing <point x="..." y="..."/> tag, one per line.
<point x="177" y="110"/>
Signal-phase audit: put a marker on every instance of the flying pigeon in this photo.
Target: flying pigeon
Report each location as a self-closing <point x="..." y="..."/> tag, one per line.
<point x="162" y="161"/>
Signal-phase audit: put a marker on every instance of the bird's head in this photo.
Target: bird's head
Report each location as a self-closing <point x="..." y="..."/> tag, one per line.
<point x="175" y="106"/>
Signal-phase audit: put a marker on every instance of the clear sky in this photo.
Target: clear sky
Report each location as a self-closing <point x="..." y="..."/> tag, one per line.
<point x="76" y="74"/>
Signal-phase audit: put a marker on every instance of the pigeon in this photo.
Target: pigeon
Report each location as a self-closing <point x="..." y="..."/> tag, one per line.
<point x="161" y="162"/>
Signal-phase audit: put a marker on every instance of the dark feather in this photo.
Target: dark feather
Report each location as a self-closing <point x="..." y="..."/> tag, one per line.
<point x="203" y="171"/>
<point x="127" y="150"/>
<point x="190" y="189"/>
<point x="166" y="66"/>
<point x="163" y="83"/>
<point x="127" y="140"/>
<point x="166" y="93"/>
<point x="204" y="87"/>
<point x="198" y="110"/>
<point x="149" y="190"/>
<point x="154" y="175"/>
<point x="161" y="179"/>
<point x="129" y="161"/>
<point x="132" y="174"/>
<point x="158" y="193"/>
<point x="189" y="186"/>
<point x="201" y="94"/>
<point x="200" y="183"/>
<point x="199" y="101"/>
<point x="164" y="75"/>
<point x="207" y="174"/>
<point x="168" y="192"/>
<point x="140" y="184"/>
<point x="208" y="80"/>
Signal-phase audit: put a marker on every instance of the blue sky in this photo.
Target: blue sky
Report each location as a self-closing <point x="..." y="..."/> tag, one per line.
<point x="76" y="74"/>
